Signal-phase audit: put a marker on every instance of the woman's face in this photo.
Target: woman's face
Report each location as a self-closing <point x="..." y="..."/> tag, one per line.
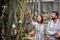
<point x="39" y="18"/>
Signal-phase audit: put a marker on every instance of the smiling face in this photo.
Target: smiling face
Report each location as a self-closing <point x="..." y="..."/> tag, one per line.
<point x="53" y="16"/>
<point x="39" y="19"/>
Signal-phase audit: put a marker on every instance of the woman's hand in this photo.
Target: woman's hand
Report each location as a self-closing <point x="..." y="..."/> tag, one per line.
<point x="29" y="12"/>
<point x="47" y="37"/>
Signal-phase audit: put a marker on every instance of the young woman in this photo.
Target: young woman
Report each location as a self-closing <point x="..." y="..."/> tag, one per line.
<point x="39" y="26"/>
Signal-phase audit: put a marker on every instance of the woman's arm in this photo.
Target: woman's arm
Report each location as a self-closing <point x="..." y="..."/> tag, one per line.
<point x="30" y="17"/>
<point x="29" y="14"/>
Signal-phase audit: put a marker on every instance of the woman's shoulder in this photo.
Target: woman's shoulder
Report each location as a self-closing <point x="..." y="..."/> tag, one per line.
<point x="43" y="24"/>
<point x="35" y="23"/>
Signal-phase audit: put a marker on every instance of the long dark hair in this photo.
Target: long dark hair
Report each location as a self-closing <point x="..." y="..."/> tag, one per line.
<point x="41" y="18"/>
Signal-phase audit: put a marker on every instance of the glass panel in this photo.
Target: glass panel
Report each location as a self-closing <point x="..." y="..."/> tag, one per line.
<point x="55" y="6"/>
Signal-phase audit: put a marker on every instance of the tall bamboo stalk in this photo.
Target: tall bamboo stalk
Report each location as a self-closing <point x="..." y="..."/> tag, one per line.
<point x="19" y="36"/>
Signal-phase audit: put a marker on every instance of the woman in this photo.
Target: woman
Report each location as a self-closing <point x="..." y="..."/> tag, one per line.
<point x="39" y="26"/>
